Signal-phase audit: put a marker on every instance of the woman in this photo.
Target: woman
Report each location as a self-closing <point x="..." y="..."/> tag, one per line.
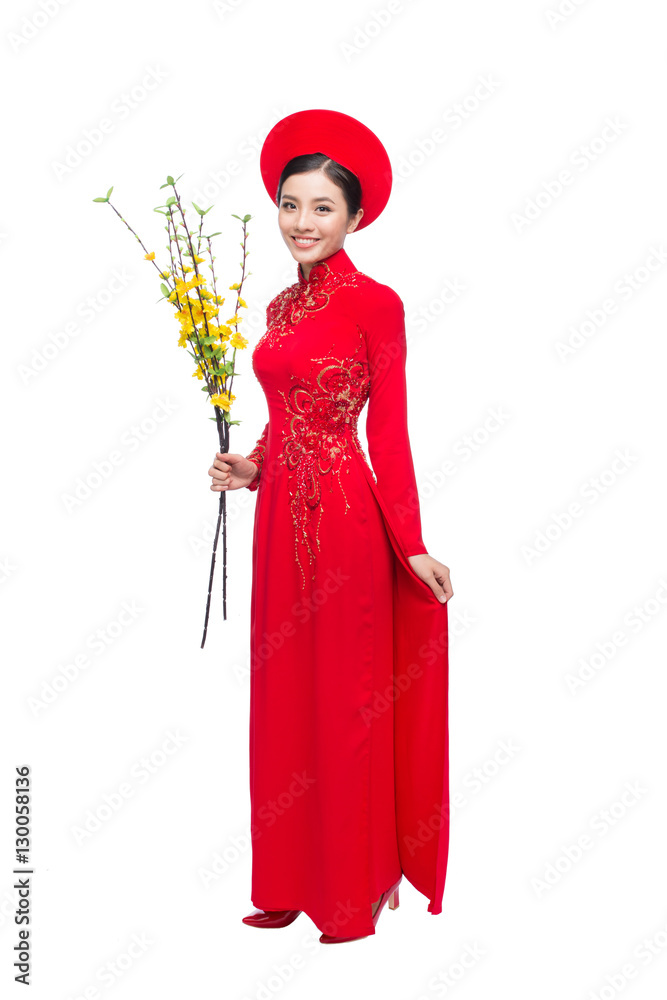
<point x="349" y="651"/>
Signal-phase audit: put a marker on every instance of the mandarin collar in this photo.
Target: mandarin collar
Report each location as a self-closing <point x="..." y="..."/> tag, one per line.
<point x="336" y="262"/>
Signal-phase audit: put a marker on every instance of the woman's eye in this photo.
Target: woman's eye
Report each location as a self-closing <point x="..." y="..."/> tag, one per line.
<point x="290" y="204"/>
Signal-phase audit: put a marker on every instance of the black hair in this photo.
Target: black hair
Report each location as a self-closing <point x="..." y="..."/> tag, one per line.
<point x="336" y="172"/>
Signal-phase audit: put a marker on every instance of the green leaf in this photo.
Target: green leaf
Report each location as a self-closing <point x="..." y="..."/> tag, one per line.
<point x="237" y="217"/>
<point x="246" y="218"/>
<point x="109" y="192"/>
<point x="230" y="422"/>
<point x="197" y="208"/>
<point x="165" y="290"/>
<point x="212" y="235"/>
<point x="170" y="179"/>
<point x="170" y="201"/>
<point x="100" y="199"/>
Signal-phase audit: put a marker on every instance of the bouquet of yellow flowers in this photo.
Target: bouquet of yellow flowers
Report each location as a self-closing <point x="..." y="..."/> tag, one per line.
<point x="208" y="341"/>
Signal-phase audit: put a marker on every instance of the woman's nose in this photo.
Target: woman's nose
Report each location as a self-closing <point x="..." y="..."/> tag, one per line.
<point x="302" y="222"/>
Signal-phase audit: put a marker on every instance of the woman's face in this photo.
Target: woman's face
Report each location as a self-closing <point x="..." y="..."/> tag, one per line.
<point x="313" y="217"/>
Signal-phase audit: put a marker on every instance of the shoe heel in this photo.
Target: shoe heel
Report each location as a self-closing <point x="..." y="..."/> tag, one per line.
<point x="393" y="900"/>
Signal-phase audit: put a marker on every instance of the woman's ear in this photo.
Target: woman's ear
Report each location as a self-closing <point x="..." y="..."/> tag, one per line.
<point x="354" y="221"/>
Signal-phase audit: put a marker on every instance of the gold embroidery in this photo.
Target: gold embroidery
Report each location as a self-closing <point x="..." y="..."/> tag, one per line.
<point x="257" y="456"/>
<point x="303" y="297"/>
<point x="321" y="428"/>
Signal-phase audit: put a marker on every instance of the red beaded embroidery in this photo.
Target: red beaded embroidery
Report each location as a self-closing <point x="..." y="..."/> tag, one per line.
<point x="321" y="425"/>
<point x="291" y="305"/>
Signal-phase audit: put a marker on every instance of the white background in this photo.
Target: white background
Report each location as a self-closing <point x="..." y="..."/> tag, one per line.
<point x="194" y="89"/>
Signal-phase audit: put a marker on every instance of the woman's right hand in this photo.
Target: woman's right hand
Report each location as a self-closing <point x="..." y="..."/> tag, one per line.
<point x="231" y="472"/>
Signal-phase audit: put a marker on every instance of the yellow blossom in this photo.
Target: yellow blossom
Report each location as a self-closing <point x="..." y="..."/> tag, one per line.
<point x="222" y="332"/>
<point x="198" y="374"/>
<point x="222" y="400"/>
<point x="150" y="256"/>
<point x="234" y="288"/>
<point x="238" y="341"/>
<point x="186" y="322"/>
<point x="165" y="274"/>
<point x="242" y="303"/>
<point x="234" y="319"/>
<point x="199" y="260"/>
<point x="186" y="267"/>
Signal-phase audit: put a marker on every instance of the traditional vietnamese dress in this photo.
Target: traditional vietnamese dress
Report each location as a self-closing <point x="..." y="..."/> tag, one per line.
<point x="349" y="647"/>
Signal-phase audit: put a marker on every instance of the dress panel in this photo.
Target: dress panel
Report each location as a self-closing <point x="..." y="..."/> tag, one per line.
<point x="320" y="659"/>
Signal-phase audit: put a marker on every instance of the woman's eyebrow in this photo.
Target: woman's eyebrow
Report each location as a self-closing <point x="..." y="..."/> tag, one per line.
<point x="323" y="198"/>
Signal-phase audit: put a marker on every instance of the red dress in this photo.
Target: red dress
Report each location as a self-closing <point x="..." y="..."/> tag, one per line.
<point x="349" y="648"/>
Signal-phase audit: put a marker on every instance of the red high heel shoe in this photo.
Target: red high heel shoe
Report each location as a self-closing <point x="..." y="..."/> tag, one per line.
<point x="390" y="894"/>
<point x="271" y="918"/>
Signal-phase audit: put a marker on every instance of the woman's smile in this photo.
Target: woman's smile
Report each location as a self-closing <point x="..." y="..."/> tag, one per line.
<point x="305" y="241"/>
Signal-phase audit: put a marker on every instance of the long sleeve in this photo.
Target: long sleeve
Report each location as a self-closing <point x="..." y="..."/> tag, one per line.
<point x="257" y="456"/>
<point x="387" y="420"/>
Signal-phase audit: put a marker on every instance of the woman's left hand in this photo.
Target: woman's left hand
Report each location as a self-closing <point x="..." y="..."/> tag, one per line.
<point x="434" y="573"/>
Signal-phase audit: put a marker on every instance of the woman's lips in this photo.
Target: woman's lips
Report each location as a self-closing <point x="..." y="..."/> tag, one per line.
<point x="304" y="245"/>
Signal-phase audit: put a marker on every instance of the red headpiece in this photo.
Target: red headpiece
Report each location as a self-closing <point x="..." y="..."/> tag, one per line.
<point x="339" y="136"/>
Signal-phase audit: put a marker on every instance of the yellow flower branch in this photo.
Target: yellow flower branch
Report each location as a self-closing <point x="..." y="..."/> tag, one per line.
<point x="195" y="314"/>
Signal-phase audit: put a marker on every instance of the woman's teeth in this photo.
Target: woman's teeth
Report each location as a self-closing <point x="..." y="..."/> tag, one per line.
<point x="304" y="242"/>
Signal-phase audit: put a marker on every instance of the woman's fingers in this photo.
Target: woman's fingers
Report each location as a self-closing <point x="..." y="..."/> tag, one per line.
<point x="220" y="473"/>
<point x="219" y="484"/>
<point x="217" y="473"/>
<point x="444" y="590"/>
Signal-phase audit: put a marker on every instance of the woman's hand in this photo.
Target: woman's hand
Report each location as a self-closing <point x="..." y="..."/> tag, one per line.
<point x="231" y="472"/>
<point x="434" y="573"/>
